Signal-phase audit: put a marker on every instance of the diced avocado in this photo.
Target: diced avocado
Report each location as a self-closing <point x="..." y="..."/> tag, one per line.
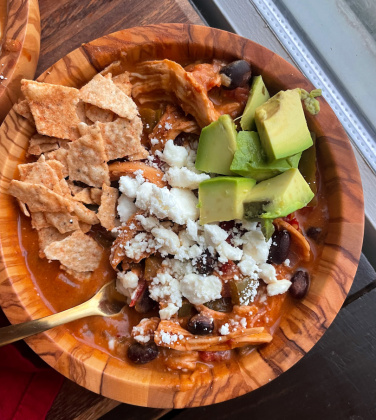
<point x="278" y="196"/>
<point x="307" y="168"/>
<point x="250" y="159"/>
<point x="217" y="146"/>
<point x="221" y="198"/>
<point x="282" y="126"/>
<point x="257" y="96"/>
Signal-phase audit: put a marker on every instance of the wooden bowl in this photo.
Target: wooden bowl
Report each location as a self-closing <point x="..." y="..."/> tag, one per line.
<point x="299" y="329"/>
<point x="20" y="50"/>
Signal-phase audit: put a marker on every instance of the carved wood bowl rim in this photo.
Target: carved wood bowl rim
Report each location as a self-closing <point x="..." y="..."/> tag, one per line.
<point x="23" y="27"/>
<point x="299" y="330"/>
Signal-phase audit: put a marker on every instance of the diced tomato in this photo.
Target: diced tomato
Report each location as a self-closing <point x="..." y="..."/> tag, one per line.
<point x="292" y="220"/>
<point x="214" y="356"/>
<point x="138" y="292"/>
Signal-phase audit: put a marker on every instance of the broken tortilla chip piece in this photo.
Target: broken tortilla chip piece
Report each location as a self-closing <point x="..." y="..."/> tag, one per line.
<point x="47" y="236"/>
<point x="22" y="108"/>
<point x="54" y="108"/>
<point x="122" y="82"/>
<point x="37" y="197"/>
<point x="38" y="221"/>
<point x="63" y="222"/>
<point x="102" y="92"/>
<point x="61" y="156"/>
<point x="122" y="138"/>
<point x="39" y="173"/>
<point x="23" y="208"/>
<point x="87" y="160"/>
<point x="42" y="144"/>
<point x="95" y="114"/>
<point x="96" y="194"/>
<point x="78" y="252"/>
<point x="107" y="209"/>
<point x="84" y="214"/>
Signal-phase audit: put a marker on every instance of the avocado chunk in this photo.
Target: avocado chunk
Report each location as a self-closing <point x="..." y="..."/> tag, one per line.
<point x="282" y="126"/>
<point x="278" y="196"/>
<point x="217" y="146"/>
<point x="250" y="159"/>
<point x="257" y="96"/>
<point x="307" y="168"/>
<point x="221" y="198"/>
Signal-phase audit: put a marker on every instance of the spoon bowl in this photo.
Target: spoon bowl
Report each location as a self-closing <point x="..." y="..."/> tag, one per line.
<point x="105" y="302"/>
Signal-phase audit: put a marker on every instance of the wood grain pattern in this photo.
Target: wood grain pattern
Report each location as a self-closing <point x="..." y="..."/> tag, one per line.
<point x="20" y="51"/>
<point x="299" y="330"/>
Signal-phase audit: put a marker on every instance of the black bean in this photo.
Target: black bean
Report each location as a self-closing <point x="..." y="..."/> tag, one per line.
<point x="179" y="140"/>
<point x="314" y="233"/>
<point x="145" y="303"/>
<point x="280" y="247"/>
<point x="300" y="284"/>
<point x="205" y="263"/>
<point x="200" y="325"/>
<point x="142" y="353"/>
<point x="238" y="74"/>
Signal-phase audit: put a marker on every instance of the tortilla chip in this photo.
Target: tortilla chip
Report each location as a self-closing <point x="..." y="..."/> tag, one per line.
<point x="84" y="214"/>
<point x="38" y="221"/>
<point x="37" y="197"/>
<point x="46" y="236"/>
<point x="63" y="222"/>
<point x="39" y="172"/>
<point x="102" y="92"/>
<point x="84" y="227"/>
<point x="23" y="208"/>
<point x="94" y="114"/>
<point x="61" y="156"/>
<point x="122" y="82"/>
<point x="42" y="144"/>
<point x="84" y="196"/>
<point x="87" y="160"/>
<point x="122" y="138"/>
<point x="85" y="276"/>
<point x="96" y="194"/>
<point x="54" y="108"/>
<point x="78" y="252"/>
<point x="107" y="209"/>
<point x="22" y="108"/>
<point x="114" y="68"/>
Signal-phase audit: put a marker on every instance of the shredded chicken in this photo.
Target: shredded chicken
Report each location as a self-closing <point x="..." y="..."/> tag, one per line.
<point x="172" y="123"/>
<point x="170" y="334"/>
<point x="168" y="76"/>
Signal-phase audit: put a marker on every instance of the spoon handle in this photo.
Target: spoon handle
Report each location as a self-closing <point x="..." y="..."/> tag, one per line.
<point x="17" y="332"/>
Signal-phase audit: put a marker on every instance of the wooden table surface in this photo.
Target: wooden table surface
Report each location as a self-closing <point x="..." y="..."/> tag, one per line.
<point x="337" y="379"/>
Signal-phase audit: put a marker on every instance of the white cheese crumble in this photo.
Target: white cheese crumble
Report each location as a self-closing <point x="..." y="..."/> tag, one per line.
<point x="167" y="239"/>
<point x="176" y="204"/>
<point x="199" y="289"/>
<point x="184" y="178"/>
<point x="168" y="311"/>
<point x="125" y="208"/>
<point x="173" y="155"/>
<point x="248" y="267"/>
<point x="227" y="252"/>
<point x="224" y="329"/>
<point x="278" y="288"/>
<point x="255" y="246"/>
<point x="267" y="273"/>
<point x="214" y="235"/>
<point x="126" y="283"/>
<point x="129" y="185"/>
<point x="167" y="288"/>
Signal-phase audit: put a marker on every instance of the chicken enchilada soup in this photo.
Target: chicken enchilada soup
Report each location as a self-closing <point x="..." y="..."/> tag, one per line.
<point x="192" y="187"/>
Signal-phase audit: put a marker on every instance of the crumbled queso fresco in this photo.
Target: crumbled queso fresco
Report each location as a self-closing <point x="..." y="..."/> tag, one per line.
<point x="171" y="228"/>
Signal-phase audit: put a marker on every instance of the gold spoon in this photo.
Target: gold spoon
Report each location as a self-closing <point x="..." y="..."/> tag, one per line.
<point x="106" y="302"/>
